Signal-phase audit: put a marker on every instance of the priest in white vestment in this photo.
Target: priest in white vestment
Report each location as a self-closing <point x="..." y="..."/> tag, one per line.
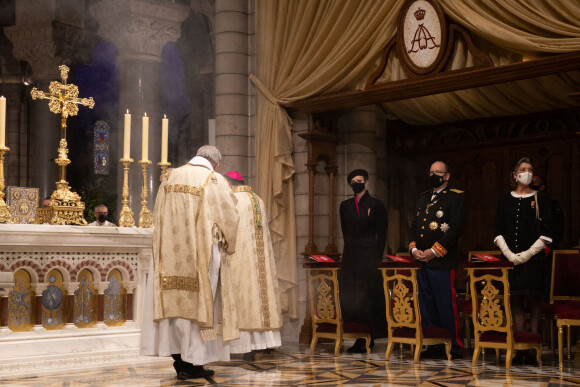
<point x="189" y="309"/>
<point x="253" y="270"/>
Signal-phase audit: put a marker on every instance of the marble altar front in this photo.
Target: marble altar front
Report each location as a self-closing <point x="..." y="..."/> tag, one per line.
<point x="70" y="294"/>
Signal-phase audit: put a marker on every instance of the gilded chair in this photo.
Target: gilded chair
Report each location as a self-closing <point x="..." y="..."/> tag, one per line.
<point x="464" y="305"/>
<point x="566" y="319"/>
<point x="492" y="319"/>
<point x="403" y="314"/>
<point x="325" y="312"/>
<point x="564" y="289"/>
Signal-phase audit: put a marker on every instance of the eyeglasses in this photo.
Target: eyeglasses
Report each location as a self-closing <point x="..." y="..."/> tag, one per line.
<point x="437" y="172"/>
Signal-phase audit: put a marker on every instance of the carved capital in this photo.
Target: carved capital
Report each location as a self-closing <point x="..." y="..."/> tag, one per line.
<point x="46" y="46"/>
<point x="139" y="28"/>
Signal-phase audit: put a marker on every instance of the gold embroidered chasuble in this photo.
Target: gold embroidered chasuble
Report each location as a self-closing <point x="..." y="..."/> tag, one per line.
<point x="254" y="267"/>
<point x="194" y="209"/>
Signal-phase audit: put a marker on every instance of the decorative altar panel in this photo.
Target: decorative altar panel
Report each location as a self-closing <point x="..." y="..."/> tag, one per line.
<point x="77" y="291"/>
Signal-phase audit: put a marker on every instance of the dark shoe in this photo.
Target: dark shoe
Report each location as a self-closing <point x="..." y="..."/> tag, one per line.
<point x="194" y="372"/>
<point x="455" y="356"/>
<point x="360" y="346"/>
<point x="434" y="352"/>
<point x="519" y="358"/>
<point x="249" y="356"/>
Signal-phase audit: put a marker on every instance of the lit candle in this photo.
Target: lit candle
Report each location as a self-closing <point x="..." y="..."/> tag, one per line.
<point x="145" y="153"/>
<point x="127" y="143"/>
<point x="2" y="122"/>
<point x="164" y="126"/>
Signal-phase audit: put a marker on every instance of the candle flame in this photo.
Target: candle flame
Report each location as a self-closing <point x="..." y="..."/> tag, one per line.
<point x="127" y="111"/>
<point x="145" y="114"/>
<point x="164" y="116"/>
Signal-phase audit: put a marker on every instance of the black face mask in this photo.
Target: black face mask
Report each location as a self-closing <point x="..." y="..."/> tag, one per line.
<point x="357" y="187"/>
<point x="436" y="180"/>
<point x="102" y="218"/>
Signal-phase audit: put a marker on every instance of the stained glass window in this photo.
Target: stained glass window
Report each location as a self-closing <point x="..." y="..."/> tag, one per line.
<point x="101" y="155"/>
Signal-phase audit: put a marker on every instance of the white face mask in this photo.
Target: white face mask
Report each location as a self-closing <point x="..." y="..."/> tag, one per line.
<point x="525" y="178"/>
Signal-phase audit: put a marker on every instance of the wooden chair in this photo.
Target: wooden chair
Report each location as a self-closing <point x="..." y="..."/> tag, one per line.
<point x="492" y="318"/>
<point x="403" y="314"/>
<point x="566" y="319"/>
<point x="464" y="305"/>
<point x="325" y="312"/>
<point x="564" y="289"/>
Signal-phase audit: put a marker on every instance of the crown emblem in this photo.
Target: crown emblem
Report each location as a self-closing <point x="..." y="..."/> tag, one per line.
<point x="419" y="14"/>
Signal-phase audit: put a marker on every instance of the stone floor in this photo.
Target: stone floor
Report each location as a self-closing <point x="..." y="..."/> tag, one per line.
<point x="294" y="366"/>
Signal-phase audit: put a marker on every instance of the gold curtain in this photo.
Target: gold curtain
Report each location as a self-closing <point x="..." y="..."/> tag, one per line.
<point x="304" y="48"/>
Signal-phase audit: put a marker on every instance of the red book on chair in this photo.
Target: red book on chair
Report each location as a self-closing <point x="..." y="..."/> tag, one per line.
<point x="322" y="258"/>
<point x="484" y="258"/>
<point x="396" y="258"/>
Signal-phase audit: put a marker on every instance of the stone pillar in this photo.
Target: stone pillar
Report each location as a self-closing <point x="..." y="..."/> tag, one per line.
<point x="140" y="30"/>
<point x="46" y="37"/>
<point x="6" y="285"/>
<point x="70" y="305"/>
<point x="130" y="286"/>
<point x="232" y="88"/>
<point x="38" y="287"/>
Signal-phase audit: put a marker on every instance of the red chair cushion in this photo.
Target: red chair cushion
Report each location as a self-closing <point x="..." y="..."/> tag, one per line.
<point x="554" y="309"/>
<point x="347" y="327"/>
<point x="570" y="314"/>
<point x="519" y="337"/>
<point x="428" y="333"/>
<point x="464" y="306"/>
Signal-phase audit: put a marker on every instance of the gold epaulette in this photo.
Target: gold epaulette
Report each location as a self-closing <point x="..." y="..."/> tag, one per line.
<point x="456" y="190"/>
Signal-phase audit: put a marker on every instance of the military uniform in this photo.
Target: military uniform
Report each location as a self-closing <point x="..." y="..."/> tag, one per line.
<point x="437" y="224"/>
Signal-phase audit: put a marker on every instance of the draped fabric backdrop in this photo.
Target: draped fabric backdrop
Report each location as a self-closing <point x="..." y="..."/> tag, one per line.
<point x="314" y="47"/>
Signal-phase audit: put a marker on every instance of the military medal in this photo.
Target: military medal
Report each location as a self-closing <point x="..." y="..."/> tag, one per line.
<point x="433" y="226"/>
<point x="444" y="227"/>
<point x="439" y="214"/>
<point x="429" y="205"/>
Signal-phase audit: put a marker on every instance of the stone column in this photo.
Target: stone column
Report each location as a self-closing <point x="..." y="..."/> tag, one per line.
<point x="6" y="285"/>
<point x="46" y="38"/>
<point x="70" y="305"/>
<point x="140" y="30"/>
<point x="130" y="286"/>
<point x="232" y="88"/>
<point x="38" y="287"/>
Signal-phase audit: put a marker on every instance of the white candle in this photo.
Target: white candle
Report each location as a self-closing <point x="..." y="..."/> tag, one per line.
<point x="127" y="140"/>
<point x="144" y="152"/>
<point x="164" y="130"/>
<point x="2" y="122"/>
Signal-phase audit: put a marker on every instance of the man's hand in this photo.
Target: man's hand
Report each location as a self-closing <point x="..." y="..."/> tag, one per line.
<point x="424" y="256"/>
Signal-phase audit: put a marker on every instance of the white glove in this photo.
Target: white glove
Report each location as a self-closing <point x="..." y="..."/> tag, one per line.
<point x="525" y="256"/>
<point x="500" y="242"/>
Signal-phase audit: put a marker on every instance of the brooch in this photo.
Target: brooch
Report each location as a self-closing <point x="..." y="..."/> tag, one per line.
<point x="533" y="204"/>
<point x="444" y="227"/>
<point x="433" y="226"/>
<point x="439" y="214"/>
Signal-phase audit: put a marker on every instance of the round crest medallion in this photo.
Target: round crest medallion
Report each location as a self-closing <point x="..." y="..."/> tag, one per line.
<point x="422" y="36"/>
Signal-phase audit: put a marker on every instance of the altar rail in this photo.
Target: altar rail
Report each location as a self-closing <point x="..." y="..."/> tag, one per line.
<point x="75" y="290"/>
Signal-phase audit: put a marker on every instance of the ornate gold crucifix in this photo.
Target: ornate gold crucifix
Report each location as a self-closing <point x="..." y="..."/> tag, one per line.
<point x="65" y="206"/>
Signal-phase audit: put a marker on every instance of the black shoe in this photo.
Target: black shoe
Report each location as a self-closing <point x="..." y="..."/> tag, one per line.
<point x="519" y="358"/>
<point x="360" y="346"/>
<point x="194" y="372"/>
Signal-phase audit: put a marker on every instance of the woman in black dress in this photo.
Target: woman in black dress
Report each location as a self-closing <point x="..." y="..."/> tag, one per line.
<point x="522" y="241"/>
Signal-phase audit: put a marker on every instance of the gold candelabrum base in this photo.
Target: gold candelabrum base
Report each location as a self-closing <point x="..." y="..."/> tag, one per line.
<point x="145" y="219"/>
<point x="5" y="216"/>
<point x="163" y="169"/>
<point x="126" y="218"/>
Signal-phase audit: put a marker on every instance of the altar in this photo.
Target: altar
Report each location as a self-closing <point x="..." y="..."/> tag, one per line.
<point x="71" y="295"/>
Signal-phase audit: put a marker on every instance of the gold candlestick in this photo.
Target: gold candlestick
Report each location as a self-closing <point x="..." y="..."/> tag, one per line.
<point x="145" y="219"/>
<point x="163" y="168"/>
<point x="126" y="217"/>
<point x="5" y="216"/>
